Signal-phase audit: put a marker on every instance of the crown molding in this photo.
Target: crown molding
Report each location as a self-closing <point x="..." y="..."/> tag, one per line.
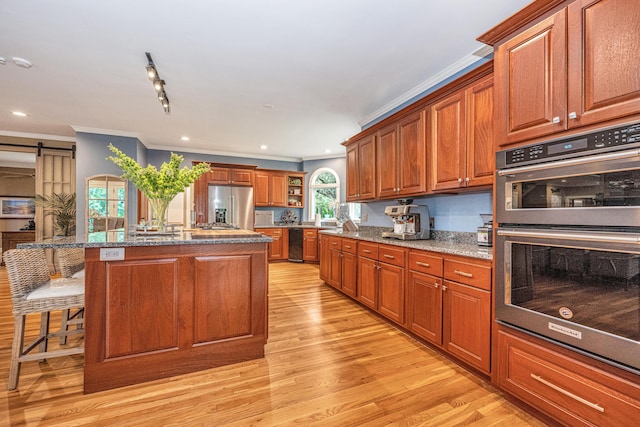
<point x="222" y="153"/>
<point x="38" y="136"/>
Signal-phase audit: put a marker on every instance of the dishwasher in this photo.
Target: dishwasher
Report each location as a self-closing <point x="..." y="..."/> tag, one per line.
<point x="295" y="244"/>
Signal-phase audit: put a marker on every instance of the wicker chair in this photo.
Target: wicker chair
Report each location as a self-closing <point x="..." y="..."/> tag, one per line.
<point x="32" y="291"/>
<point x="71" y="264"/>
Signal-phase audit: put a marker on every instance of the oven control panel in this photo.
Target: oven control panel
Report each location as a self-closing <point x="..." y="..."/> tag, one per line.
<point x="571" y="147"/>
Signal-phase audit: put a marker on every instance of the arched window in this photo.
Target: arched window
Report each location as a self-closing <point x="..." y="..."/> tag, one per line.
<point x="324" y="193"/>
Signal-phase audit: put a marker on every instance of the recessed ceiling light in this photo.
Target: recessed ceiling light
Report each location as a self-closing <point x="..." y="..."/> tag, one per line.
<point x="263" y="147"/>
<point x="19" y="113"/>
<point x="267" y="106"/>
<point x="21" y="62"/>
<point x="327" y="151"/>
<point x="184" y="138"/>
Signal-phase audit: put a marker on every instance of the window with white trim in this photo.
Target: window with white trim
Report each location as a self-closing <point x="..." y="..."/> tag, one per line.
<point x="324" y="193"/>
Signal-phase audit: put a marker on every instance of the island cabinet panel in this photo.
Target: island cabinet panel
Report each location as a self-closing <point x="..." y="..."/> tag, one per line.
<point x="224" y="308"/>
<point x="136" y="291"/>
<point x="169" y="310"/>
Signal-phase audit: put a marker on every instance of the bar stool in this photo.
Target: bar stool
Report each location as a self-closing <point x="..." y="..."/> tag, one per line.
<point x="71" y="264"/>
<point x="32" y="291"/>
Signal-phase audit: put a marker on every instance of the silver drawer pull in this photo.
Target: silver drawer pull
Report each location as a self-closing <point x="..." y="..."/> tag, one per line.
<point x="423" y="264"/>
<point x="366" y="251"/>
<point x="347" y="246"/>
<point x="568" y="393"/>
<point x="389" y="256"/>
<point x="462" y="273"/>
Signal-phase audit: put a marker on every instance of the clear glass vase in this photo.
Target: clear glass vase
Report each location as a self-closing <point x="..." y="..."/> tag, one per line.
<point x="159" y="213"/>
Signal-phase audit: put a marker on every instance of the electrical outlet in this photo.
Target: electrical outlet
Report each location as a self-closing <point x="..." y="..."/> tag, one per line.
<point x="111" y="254"/>
<point x="432" y="221"/>
<point x="364" y="217"/>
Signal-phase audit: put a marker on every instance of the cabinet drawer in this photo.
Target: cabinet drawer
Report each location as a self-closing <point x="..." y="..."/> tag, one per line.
<point x="368" y="250"/>
<point x="425" y="263"/>
<point x="575" y="393"/>
<point x="349" y="246"/>
<point x="273" y="232"/>
<point x="335" y="242"/>
<point x="310" y="233"/>
<point x="468" y="273"/>
<point x="391" y="255"/>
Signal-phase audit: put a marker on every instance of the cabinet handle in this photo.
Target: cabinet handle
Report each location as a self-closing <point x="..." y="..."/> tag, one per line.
<point x="389" y="256"/>
<point x="334" y="243"/>
<point x="366" y="251"/>
<point x="573" y="115"/>
<point x="568" y="393"/>
<point x="555" y="120"/>
<point x="423" y="264"/>
<point x="347" y="246"/>
<point x="462" y="273"/>
<point x="444" y="287"/>
<point x="435" y="285"/>
<point x="466" y="180"/>
<point x="459" y="180"/>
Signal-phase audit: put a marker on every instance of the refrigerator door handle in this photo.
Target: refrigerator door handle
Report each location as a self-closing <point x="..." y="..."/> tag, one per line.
<point x="232" y="205"/>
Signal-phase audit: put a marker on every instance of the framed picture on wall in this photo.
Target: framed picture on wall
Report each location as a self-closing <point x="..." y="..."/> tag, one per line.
<point x="17" y="207"/>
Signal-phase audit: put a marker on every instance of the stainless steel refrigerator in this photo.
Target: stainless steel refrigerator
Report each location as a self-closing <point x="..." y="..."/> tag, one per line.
<point x="231" y="205"/>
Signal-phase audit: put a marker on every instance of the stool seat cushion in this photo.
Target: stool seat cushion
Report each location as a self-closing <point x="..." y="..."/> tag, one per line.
<point x="78" y="274"/>
<point x="62" y="287"/>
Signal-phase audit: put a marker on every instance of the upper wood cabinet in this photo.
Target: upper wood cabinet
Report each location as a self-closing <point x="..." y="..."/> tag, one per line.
<point x="461" y="138"/>
<point x="230" y="176"/>
<point x="361" y="162"/>
<point x="270" y="188"/>
<point x="401" y="157"/>
<point x="575" y="68"/>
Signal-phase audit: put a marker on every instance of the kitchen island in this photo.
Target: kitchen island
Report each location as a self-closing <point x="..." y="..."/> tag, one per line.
<point x="159" y="305"/>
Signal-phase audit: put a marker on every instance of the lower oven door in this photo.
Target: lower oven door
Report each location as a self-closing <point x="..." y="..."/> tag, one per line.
<point x="579" y="288"/>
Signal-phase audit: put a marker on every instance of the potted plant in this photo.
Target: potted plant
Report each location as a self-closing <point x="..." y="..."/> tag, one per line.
<point x="159" y="186"/>
<point x="63" y="207"/>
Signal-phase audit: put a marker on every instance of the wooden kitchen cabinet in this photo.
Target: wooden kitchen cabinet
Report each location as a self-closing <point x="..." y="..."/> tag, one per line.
<point x="270" y="188"/>
<point x="361" y="164"/>
<point x="295" y="190"/>
<point x="230" y="176"/>
<point x="454" y="313"/>
<point x="575" y="68"/>
<point x="310" y="245"/>
<point x="335" y="264"/>
<point x="568" y="386"/>
<point x="279" y="248"/>
<point x="461" y="139"/>
<point x="10" y="239"/>
<point x="381" y="279"/>
<point x="349" y="267"/>
<point x="401" y="157"/>
<point x="325" y="256"/>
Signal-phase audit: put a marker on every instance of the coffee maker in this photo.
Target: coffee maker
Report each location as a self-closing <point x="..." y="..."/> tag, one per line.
<point x="410" y="222"/>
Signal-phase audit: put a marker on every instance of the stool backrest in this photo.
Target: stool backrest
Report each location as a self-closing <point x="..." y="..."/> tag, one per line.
<point x="27" y="269"/>
<point x="70" y="260"/>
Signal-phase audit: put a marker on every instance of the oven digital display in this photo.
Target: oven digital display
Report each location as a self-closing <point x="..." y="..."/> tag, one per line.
<point x="563" y="147"/>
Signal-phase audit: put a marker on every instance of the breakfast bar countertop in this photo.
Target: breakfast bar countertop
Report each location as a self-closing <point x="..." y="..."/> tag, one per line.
<point x="121" y="238"/>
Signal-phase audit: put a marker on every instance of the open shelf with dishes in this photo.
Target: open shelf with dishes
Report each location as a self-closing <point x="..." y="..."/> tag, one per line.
<point x="295" y="190"/>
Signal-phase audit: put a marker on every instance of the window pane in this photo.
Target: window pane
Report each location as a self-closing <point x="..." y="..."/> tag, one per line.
<point x="325" y="199"/>
<point x="325" y="178"/>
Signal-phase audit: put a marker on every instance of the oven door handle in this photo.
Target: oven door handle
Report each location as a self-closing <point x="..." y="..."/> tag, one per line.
<point x="630" y="154"/>
<point x="600" y="237"/>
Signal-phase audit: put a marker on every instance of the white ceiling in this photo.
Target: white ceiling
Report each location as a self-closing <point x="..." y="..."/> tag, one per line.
<point x="326" y="66"/>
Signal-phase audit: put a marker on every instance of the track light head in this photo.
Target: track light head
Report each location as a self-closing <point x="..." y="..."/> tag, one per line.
<point x="158" y="83"/>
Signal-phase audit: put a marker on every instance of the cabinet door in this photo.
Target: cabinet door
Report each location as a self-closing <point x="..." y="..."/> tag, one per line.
<point x="219" y="176"/>
<point x="531" y="82"/>
<point x="367" y="292"/>
<point x="480" y="159"/>
<point x="391" y="292"/>
<point x="467" y="324"/>
<point x="200" y="199"/>
<point x="387" y="161"/>
<point x="353" y="173"/>
<point x="412" y="170"/>
<point x="325" y="257"/>
<point x="424" y="306"/>
<point x="310" y="245"/>
<point x="335" y="272"/>
<point x="448" y="142"/>
<point x="367" y="168"/>
<point x="261" y="189"/>
<point x="604" y="41"/>
<point x="241" y="177"/>
<point x="349" y="273"/>
<point x="278" y="190"/>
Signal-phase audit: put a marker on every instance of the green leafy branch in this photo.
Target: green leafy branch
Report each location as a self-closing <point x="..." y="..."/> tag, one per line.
<point x="163" y="184"/>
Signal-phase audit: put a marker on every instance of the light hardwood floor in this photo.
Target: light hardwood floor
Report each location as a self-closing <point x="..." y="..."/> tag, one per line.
<point x="328" y="362"/>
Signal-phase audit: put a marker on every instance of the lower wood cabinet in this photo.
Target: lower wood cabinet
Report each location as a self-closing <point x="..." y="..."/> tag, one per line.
<point x="451" y="306"/>
<point x="279" y="248"/>
<point x="310" y="245"/>
<point x="381" y="279"/>
<point x="569" y="387"/>
<point x="338" y="263"/>
<point x="10" y="239"/>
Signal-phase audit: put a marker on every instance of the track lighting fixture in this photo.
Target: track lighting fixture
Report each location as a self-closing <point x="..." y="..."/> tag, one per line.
<point x="158" y="83"/>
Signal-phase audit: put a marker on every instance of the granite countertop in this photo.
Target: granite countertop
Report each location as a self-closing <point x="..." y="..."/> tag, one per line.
<point x="124" y="239"/>
<point x="278" y="225"/>
<point x="454" y="243"/>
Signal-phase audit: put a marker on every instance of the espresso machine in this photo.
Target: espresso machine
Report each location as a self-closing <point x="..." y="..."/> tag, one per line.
<point x="410" y="222"/>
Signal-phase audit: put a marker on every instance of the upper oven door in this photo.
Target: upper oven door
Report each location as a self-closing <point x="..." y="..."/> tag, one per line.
<point x="596" y="190"/>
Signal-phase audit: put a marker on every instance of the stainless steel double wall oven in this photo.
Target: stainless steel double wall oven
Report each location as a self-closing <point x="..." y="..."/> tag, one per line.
<point x="568" y="242"/>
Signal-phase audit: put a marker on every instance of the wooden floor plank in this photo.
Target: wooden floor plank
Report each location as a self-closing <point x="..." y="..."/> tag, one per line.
<point x="328" y="362"/>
